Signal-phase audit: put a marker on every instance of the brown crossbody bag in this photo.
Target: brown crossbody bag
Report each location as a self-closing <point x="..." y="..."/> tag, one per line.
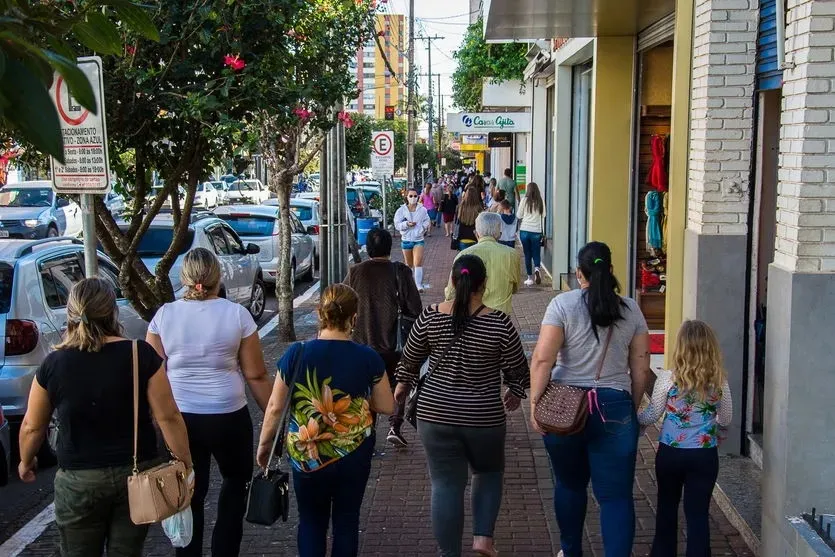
<point x="162" y="491"/>
<point x="563" y="409"/>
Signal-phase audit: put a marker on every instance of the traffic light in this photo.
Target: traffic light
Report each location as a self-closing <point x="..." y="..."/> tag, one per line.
<point x="389" y="112"/>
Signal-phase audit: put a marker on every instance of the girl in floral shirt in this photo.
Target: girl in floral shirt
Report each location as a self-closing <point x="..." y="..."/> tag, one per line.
<point x="696" y="401"/>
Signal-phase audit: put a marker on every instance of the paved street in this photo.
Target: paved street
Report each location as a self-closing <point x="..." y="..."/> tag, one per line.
<point x="395" y="518"/>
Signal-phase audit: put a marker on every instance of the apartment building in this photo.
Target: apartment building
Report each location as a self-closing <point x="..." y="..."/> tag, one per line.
<point x="378" y="87"/>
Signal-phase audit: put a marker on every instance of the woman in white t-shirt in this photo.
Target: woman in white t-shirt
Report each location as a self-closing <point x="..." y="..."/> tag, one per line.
<point x="532" y="214"/>
<point x="212" y="351"/>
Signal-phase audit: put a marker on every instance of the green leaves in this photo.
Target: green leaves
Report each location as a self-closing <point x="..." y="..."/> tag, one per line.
<point x="98" y="34"/>
<point x="137" y="19"/>
<point x="28" y="108"/>
<point x="78" y="83"/>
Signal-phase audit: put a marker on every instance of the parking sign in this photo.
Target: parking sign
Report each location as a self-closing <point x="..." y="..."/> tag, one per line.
<point x="382" y="153"/>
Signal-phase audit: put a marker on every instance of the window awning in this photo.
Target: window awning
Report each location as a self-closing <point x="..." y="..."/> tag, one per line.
<point x="529" y="20"/>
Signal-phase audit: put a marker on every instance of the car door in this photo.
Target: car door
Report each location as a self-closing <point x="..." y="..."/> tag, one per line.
<point x="302" y="243"/>
<point x="72" y="216"/>
<point x="224" y="254"/>
<point x="245" y="264"/>
<point x="135" y="326"/>
<point x="57" y="275"/>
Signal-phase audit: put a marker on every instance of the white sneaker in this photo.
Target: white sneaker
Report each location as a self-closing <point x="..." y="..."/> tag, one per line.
<point x="528" y="282"/>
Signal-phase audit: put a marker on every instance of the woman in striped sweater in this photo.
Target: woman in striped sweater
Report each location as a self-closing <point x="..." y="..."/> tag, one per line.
<point x="472" y="350"/>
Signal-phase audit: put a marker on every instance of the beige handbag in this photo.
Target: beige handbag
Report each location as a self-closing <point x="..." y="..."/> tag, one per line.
<point x="162" y="491"/>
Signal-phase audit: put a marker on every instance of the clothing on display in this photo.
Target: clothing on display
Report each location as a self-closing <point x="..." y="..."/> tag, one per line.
<point x="657" y="177"/>
<point x="654" y="211"/>
<point x="664" y="223"/>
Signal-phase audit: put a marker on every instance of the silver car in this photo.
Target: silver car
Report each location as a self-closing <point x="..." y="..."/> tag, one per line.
<point x="35" y="281"/>
<point x="5" y="449"/>
<point x="259" y="224"/>
<point x="307" y="211"/>
<point x="31" y="210"/>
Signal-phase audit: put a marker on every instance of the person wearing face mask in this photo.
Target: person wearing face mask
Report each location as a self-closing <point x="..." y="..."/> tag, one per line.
<point x="413" y="222"/>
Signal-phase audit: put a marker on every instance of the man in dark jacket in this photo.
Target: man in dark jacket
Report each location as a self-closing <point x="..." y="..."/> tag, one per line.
<point x="381" y="286"/>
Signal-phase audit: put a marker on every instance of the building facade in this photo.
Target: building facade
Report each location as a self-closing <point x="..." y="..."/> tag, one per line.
<point x="377" y="85"/>
<point x="696" y="138"/>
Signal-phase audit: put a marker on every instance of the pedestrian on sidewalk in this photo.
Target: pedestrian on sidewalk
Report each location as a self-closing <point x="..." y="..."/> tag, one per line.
<point x="602" y="342"/>
<point x="509" y="224"/>
<point x="449" y="207"/>
<point x="88" y="381"/>
<point x="501" y="262"/>
<point x="330" y="438"/>
<point x="213" y="351"/>
<point x="495" y="204"/>
<point x="413" y="222"/>
<point x="437" y="198"/>
<point x="427" y="199"/>
<point x="385" y="290"/>
<point x="532" y="215"/>
<point x="469" y="209"/>
<point x="472" y="350"/>
<point x="508" y="185"/>
<point x="695" y="399"/>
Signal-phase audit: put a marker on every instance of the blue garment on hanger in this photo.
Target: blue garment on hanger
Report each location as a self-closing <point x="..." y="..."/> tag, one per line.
<point x="654" y="211"/>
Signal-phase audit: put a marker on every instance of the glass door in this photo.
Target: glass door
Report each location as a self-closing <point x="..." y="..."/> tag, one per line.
<point x="579" y="189"/>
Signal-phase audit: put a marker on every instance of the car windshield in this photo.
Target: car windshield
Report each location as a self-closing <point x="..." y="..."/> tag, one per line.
<point x="241" y="186"/>
<point x="304" y="213"/>
<point x="219" y="185"/>
<point x="6" y="277"/>
<point x="250" y="225"/>
<point x="25" y="197"/>
<point x="352" y="196"/>
<point x="155" y="242"/>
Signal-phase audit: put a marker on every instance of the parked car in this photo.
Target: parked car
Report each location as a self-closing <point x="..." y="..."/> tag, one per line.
<point x="5" y="449"/>
<point x="115" y="203"/>
<point x="220" y="187"/>
<point x="206" y="196"/>
<point x="31" y="210"/>
<point x="35" y="281"/>
<point x="372" y="191"/>
<point x="317" y="214"/>
<point x="241" y="277"/>
<point x="259" y="224"/>
<point x="307" y="211"/>
<point x="247" y="191"/>
<point x="356" y="201"/>
<point x="157" y="190"/>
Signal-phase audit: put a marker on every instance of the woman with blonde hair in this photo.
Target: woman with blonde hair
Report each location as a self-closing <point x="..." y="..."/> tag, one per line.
<point x="212" y="351"/>
<point x="332" y="386"/>
<point x="471" y="206"/>
<point x="696" y="401"/>
<point x="88" y="382"/>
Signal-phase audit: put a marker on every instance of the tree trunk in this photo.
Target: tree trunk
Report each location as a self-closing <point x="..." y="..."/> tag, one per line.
<point x="353" y="246"/>
<point x="283" y="285"/>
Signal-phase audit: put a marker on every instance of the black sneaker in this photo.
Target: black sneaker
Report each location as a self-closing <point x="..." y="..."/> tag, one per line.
<point x="395" y="438"/>
<point x="537" y="276"/>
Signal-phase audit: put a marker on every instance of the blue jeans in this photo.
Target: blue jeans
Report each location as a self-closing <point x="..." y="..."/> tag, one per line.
<point x="333" y="493"/>
<point x="530" y="245"/>
<point x="605" y="453"/>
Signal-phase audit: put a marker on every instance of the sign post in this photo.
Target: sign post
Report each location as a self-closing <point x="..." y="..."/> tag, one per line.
<point x="86" y="168"/>
<point x="382" y="162"/>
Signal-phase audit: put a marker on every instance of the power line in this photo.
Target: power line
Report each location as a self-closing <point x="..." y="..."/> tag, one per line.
<point x="451" y="16"/>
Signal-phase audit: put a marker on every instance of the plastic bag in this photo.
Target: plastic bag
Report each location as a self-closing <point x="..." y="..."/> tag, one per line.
<point x="180" y="527"/>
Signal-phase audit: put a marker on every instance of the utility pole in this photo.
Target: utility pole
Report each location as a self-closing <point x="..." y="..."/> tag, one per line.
<point x="410" y="108"/>
<point x="440" y="123"/>
<point x="429" y="79"/>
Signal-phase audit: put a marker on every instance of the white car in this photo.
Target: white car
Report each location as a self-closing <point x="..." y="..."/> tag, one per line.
<point x="259" y="224"/>
<point x="247" y="191"/>
<point x="31" y="210"/>
<point x="307" y="211"/>
<point x="115" y="203"/>
<point x="220" y="187"/>
<point x="206" y="196"/>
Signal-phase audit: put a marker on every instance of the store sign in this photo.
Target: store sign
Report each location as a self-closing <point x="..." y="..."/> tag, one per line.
<point x="485" y="122"/>
<point x="499" y="139"/>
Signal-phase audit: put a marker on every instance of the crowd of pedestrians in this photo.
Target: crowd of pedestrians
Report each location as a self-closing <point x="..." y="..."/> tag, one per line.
<point x="454" y="370"/>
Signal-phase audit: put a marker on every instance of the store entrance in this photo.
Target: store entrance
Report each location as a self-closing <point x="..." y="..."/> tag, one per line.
<point x="579" y="188"/>
<point x="651" y="184"/>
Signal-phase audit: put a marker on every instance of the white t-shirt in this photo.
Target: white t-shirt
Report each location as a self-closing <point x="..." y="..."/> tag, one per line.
<point x="201" y="341"/>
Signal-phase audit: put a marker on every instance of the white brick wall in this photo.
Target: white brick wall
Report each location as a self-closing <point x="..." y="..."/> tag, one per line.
<point x="806" y="194"/>
<point x="721" y="115"/>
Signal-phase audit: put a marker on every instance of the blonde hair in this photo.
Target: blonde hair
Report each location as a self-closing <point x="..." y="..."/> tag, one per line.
<point x="200" y="273"/>
<point x="337" y="307"/>
<point x="470" y="206"/>
<point x="697" y="360"/>
<point x="92" y="315"/>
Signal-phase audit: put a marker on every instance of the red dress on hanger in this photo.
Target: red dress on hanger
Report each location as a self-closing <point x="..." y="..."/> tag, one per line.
<point x="657" y="177"/>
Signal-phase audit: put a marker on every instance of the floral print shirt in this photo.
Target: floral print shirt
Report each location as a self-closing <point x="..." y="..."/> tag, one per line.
<point x="689" y="421"/>
<point x="330" y="416"/>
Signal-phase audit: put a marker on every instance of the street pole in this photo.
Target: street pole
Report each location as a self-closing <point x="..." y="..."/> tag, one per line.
<point x="429" y="79"/>
<point x="325" y="216"/>
<point x="440" y="123"/>
<point x="341" y="196"/>
<point x="88" y="228"/>
<point x="410" y="102"/>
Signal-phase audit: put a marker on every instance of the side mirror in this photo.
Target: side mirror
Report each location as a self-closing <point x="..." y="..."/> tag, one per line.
<point x="252" y="249"/>
<point x="62" y="202"/>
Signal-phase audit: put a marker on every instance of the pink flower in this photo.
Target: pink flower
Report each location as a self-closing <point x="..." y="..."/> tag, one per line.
<point x="302" y="113"/>
<point x="130" y="49"/>
<point x="345" y="118"/>
<point x="234" y="62"/>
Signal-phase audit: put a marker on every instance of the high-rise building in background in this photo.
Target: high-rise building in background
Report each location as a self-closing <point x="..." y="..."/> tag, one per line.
<point x="378" y="87"/>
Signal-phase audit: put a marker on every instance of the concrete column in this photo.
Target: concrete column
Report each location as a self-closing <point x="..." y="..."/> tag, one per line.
<point x="799" y="442"/>
<point x="721" y="132"/>
<point x="536" y="139"/>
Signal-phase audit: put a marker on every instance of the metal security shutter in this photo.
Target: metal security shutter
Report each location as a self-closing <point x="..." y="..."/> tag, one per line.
<point x="769" y="76"/>
<point x="657" y="33"/>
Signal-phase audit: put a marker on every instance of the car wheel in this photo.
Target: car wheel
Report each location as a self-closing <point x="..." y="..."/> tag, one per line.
<point x="258" y="301"/>
<point x="308" y="275"/>
<point x="52" y="232"/>
<point x="293" y="275"/>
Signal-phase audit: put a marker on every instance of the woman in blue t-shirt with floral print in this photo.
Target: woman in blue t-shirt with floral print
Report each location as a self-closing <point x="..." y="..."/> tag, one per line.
<point x="696" y="401"/>
<point x="330" y="436"/>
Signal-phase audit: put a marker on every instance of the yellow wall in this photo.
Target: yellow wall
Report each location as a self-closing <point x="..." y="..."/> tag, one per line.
<point x="656" y="69"/>
<point x="610" y="160"/>
<point x="394" y="53"/>
<point x="679" y="146"/>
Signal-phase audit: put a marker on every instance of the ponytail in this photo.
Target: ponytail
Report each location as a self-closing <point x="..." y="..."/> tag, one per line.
<point x="601" y="297"/>
<point x="468" y="278"/>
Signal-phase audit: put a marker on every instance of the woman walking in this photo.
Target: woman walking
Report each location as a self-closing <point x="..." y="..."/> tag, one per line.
<point x="212" y="351"/>
<point x="331" y="437"/>
<point x="413" y="222"/>
<point x="697" y="401"/>
<point x="449" y="206"/>
<point x="468" y="210"/>
<point x="531" y="213"/>
<point x="88" y="381"/>
<point x="472" y="350"/>
<point x="427" y="199"/>
<point x="594" y="339"/>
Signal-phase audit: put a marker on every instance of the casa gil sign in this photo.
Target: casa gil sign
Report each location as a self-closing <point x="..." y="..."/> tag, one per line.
<point x="486" y="122"/>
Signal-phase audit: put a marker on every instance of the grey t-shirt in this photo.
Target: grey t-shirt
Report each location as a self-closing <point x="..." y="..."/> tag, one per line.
<point x="579" y="357"/>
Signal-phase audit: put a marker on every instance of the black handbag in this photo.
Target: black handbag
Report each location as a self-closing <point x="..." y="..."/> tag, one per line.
<point x="269" y="490"/>
<point x="410" y="412"/>
<point x="404" y="322"/>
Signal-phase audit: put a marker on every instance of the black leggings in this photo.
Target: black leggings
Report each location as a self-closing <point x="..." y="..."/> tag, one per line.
<point x="228" y="438"/>
<point x="694" y="472"/>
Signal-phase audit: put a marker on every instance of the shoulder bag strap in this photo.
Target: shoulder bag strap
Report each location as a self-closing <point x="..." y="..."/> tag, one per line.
<point x="135" y="366"/>
<point x="605" y="350"/>
<point x="396" y="286"/>
<point x="455" y="338"/>
<point x="278" y="440"/>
